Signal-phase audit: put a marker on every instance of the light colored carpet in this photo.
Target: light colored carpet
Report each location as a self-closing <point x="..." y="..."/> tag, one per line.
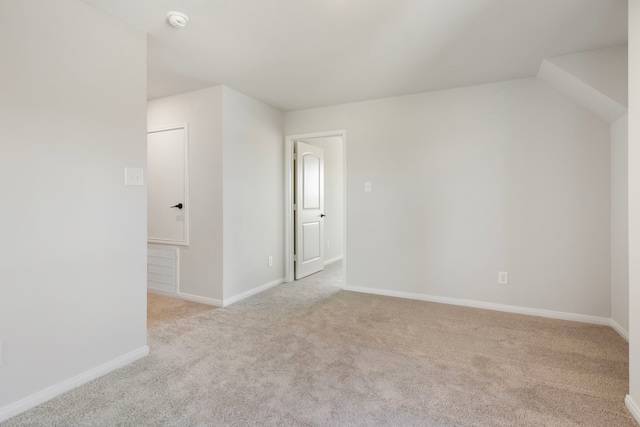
<point x="310" y="354"/>
<point x="161" y="310"/>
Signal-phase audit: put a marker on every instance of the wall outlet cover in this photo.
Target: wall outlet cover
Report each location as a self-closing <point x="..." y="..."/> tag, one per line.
<point x="503" y="278"/>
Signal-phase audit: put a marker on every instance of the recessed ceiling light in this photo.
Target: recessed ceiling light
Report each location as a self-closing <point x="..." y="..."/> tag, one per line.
<point x="177" y="19"/>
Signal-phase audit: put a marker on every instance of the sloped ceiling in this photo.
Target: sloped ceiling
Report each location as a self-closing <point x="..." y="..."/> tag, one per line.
<point x="606" y="70"/>
<point x="595" y="80"/>
<point x="296" y="54"/>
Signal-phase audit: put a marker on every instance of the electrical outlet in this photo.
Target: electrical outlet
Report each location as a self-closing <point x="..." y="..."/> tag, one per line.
<point x="503" y="278"/>
<point x="270" y="261"/>
<point x="367" y="187"/>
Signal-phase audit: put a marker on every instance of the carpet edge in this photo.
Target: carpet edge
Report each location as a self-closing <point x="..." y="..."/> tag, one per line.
<point x="619" y="329"/>
<point x="49" y="393"/>
<point x="251" y="292"/>
<point x="633" y="408"/>
<point x="583" y="318"/>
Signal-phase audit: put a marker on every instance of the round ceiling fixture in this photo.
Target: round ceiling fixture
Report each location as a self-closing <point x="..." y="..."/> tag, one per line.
<point x="177" y="19"/>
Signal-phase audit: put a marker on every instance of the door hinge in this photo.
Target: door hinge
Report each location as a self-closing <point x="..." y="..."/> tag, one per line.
<point x="295" y="258"/>
<point x="295" y="207"/>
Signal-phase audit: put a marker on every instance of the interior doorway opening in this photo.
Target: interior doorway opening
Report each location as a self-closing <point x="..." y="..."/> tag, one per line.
<point x="334" y="242"/>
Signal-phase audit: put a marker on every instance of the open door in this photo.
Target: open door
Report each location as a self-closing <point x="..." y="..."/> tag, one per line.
<point x="309" y="209"/>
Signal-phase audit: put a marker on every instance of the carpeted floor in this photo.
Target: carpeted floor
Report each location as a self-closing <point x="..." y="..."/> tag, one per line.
<point x="162" y="310"/>
<point x="310" y="354"/>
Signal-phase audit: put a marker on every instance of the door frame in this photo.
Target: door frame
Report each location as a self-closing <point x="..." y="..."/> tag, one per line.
<point x="187" y="205"/>
<point x="288" y="198"/>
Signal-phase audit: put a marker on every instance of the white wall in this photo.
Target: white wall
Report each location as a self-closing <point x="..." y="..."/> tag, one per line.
<point x="634" y="207"/>
<point x="73" y="277"/>
<point x="333" y="195"/>
<point x="253" y="195"/>
<point x="619" y="225"/>
<point x="471" y="181"/>
<point x="235" y="190"/>
<point x="201" y="261"/>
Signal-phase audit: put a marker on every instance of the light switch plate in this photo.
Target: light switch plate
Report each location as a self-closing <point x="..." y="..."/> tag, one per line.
<point x="133" y="176"/>
<point x="367" y="187"/>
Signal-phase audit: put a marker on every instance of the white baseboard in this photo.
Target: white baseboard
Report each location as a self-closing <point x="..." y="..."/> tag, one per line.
<point x="633" y="408"/>
<point x="187" y="297"/>
<point x="71" y="383"/>
<point x="332" y="260"/>
<point x="619" y="329"/>
<point x="216" y="302"/>
<point x="234" y="299"/>
<point x="487" y="305"/>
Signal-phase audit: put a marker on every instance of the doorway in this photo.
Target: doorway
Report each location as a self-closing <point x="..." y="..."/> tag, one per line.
<point x="167" y="206"/>
<point x="334" y="243"/>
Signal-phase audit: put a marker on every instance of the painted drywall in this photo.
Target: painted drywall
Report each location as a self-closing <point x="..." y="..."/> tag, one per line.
<point x="619" y="225"/>
<point x="606" y="70"/>
<point x="333" y="195"/>
<point x="253" y="195"/>
<point x="201" y="261"/>
<point x="581" y="92"/>
<point x="73" y="276"/>
<point x="468" y="182"/>
<point x="634" y="207"/>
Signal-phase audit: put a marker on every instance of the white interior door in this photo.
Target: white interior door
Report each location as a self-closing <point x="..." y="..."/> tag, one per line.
<point x="309" y="209"/>
<point x="167" y="160"/>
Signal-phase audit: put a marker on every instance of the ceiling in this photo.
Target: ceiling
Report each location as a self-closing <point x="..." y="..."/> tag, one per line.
<point x="296" y="54"/>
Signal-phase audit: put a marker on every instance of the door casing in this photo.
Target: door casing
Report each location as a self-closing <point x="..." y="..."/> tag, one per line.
<point x="289" y="197"/>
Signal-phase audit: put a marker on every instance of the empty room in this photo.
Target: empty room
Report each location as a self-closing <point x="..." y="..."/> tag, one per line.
<point x="319" y="213"/>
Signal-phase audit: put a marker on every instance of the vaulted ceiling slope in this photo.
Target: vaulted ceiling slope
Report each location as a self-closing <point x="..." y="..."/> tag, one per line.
<point x="296" y="54"/>
<point x="596" y="80"/>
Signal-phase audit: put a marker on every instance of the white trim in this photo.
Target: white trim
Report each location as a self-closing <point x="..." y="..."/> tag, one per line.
<point x="631" y="405"/>
<point x="187" y="297"/>
<point x="186" y="203"/>
<point x="169" y="242"/>
<point x="71" y="383"/>
<point x="332" y="260"/>
<point x="488" y="305"/>
<point x="216" y="302"/>
<point x="288" y="197"/>
<point x="228" y="301"/>
<point x="619" y="329"/>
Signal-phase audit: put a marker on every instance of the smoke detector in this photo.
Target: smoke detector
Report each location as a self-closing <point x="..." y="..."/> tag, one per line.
<point x="177" y="19"/>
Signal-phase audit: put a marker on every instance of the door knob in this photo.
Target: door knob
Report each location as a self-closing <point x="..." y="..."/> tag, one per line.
<point x="179" y="206"/>
<point x="322" y="215"/>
